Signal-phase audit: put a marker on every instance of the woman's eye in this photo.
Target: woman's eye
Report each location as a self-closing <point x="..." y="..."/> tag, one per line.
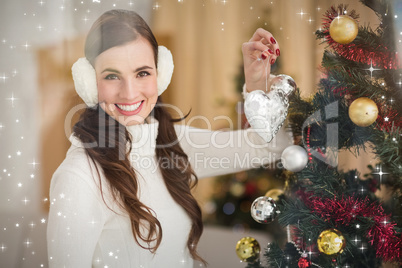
<point x="111" y="77"/>
<point x="143" y="74"/>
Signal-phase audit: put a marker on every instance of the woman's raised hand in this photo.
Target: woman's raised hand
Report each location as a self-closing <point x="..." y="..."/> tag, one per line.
<point x="259" y="53"/>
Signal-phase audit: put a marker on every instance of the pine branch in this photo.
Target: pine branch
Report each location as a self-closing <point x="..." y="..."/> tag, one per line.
<point x="388" y="147"/>
<point x="383" y="9"/>
<point x="256" y="264"/>
<point x="350" y="78"/>
<point x="278" y="258"/>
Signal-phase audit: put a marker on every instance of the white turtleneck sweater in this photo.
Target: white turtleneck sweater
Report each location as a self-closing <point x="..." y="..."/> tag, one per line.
<point x="88" y="230"/>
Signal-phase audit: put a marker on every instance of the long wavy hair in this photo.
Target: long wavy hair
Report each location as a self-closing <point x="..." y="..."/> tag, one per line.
<point x="115" y="28"/>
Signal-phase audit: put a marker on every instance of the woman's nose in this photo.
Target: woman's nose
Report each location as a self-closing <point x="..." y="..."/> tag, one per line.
<point x="128" y="90"/>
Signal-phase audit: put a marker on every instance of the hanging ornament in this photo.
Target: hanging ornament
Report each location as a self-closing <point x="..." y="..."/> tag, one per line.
<point x="266" y="112"/>
<point x="303" y="261"/>
<point x="331" y="242"/>
<point x="248" y="249"/>
<point x="274" y="194"/>
<point x="294" y="158"/>
<point x="263" y="210"/>
<point x="343" y="29"/>
<point x="363" y="112"/>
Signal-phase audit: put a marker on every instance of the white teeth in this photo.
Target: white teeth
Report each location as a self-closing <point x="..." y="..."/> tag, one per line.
<point x="130" y="108"/>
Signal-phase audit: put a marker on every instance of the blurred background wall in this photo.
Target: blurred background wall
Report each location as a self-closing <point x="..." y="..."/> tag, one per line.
<point x="40" y="40"/>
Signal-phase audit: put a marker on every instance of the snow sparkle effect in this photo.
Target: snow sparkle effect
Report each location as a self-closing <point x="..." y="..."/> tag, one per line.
<point x="19" y="161"/>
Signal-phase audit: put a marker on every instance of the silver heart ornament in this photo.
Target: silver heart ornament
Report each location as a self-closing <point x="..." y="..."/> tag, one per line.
<point x="266" y="112"/>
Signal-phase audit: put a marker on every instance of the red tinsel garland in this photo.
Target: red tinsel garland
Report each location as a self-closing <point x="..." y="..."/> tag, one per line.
<point x="344" y="211"/>
<point x="341" y="91"/>
<point x="387" y="117"/>
<point x="380" y="56"/>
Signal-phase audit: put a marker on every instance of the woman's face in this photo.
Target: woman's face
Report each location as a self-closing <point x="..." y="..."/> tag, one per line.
<point x="126" y="78"/>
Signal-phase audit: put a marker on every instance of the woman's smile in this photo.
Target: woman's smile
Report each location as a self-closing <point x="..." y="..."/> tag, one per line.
<point x="129" y="109"/>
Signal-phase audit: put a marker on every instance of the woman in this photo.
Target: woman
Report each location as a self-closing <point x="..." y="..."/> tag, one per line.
<point x="122" y="197"/>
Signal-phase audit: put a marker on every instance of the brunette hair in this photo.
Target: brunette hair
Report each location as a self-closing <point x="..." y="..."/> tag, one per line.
<point x="115" y="28"/>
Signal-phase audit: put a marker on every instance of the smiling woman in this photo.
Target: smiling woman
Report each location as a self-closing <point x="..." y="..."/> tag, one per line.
<point x="122" y="196"/>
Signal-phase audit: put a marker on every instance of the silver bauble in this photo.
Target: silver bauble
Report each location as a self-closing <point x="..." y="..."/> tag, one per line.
<point x="294" y="158"/>
<point x="263" y="210"/>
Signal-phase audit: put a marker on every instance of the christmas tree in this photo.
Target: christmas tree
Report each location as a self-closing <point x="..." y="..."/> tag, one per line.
<point x="333" y="218"/>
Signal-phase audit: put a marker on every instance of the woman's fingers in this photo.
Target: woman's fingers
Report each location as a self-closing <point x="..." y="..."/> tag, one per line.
<point x="262" y="45"/>
<point x="260" y="49"/>
<point x="261" y="34"/>
<point x="255" y="49"/>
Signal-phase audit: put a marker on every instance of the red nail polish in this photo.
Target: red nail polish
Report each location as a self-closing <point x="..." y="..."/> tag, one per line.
<point x="278" y="52"/>
<point x="272" y="61"/>
<point x="263" y="56"/>
<point x="273" y="41"/>
<point x="270" y="51"/>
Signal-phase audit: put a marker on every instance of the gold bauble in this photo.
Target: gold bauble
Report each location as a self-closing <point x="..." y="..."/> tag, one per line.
<point x="274" y="194"/>
<point x="343" y="29"/>
<point x="363" y="112"/>
<point x="331" y="242"/>
<point x="248" y="249"/>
